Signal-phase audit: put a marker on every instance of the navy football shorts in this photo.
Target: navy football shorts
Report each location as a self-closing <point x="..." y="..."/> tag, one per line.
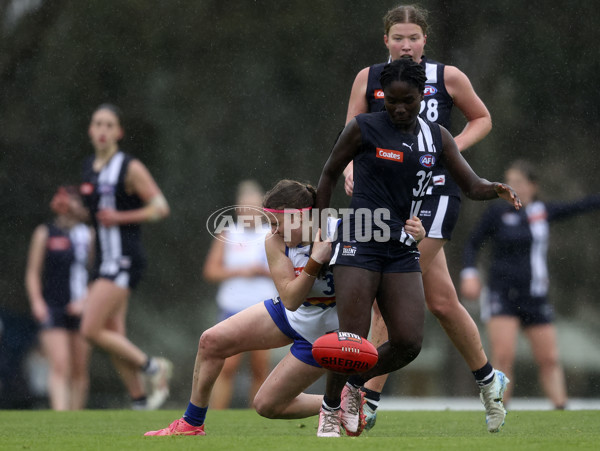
<point x="59" y="319"/>
<point x="439" y="215"/>
<point x="383" y="257"/>
<point x="511" y="301"/>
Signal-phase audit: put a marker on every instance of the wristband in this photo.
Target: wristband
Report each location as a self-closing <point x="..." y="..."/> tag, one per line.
<point x="312" y="267"/>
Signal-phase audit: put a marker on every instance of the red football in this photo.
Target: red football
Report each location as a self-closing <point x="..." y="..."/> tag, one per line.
<point x="344" y="352"/>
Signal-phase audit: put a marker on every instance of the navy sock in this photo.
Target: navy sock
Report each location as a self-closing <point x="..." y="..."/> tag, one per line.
<point x="356" y="381"/>
<point x="195" y="415"/>
<point x="331" y="404"/>
<point x="484" y="375"/>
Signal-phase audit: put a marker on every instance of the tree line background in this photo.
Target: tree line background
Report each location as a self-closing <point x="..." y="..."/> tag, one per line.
<point x="216" y="92"/>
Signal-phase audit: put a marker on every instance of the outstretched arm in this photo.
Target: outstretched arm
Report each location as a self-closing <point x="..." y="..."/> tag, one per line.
<point x="471" y="184"/>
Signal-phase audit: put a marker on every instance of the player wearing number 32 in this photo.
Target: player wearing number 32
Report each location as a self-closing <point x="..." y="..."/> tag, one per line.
<point x="394" y="153"/>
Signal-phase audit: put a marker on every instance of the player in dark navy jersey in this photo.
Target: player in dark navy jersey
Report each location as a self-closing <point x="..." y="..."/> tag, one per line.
<point x="394" y="153"/>
<point x="56" y="281"/>
<point x="120" y="194"/>
<point x="405" y="35"/>
<point x="518" y="277"/>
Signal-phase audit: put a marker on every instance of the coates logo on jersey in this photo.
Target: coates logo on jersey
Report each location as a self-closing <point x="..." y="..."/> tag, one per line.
<point x="378" y="94"/>
<point x="388" y="154"/>
<point x="427" y="160"/>
<point x="429" y="90"/>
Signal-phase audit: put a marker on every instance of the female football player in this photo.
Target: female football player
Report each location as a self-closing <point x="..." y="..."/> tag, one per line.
<point x="405" y="35"/>
<point x="394" y="154"/>
<point x="518" y="277"/>
<point x="304" y="310"/>
<point x="120" y="194"/>
<point x="56" y="281"/>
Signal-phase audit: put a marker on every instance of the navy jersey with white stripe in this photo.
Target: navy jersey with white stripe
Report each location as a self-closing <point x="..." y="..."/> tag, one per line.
<point x="435" y="107"/>
<point x="520" y="241"/>
<point x="392" y="171"/>
<point x="118" y="247"/>
<point x="65" y="274"/>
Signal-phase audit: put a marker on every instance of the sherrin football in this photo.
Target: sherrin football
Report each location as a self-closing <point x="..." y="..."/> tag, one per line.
<point x="344" y="352"/>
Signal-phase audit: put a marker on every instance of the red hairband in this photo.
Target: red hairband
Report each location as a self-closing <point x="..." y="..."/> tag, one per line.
<point x="287" y="210"/>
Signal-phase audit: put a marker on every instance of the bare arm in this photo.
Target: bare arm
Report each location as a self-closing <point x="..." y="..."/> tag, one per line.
<point x="479" y="121"/>
<point x="138" y="181"/>
<point x="33" y="273"/>
<point x="292" y="289"/>
<point x="343" y="152"/>
<point x="356" y="105"/>
<point x="471" y="184"/>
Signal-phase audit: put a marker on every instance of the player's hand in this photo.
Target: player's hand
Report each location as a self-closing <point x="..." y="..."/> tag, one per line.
<point x="40" y="311"/>
<point x="75" y="308"/>
<point x="507" y="193"/>
<point x="470" y="288"/>
<point x="321" y="251"/>
<point x="349" y="183"/>
<point x="108" y="217"/>
<point x="414" y="228"/>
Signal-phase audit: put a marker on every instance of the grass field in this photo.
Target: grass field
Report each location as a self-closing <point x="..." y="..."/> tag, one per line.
<point x="244" y="430"/>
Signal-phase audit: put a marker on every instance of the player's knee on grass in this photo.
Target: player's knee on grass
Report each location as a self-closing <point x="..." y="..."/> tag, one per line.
<point x="265" y="407"/>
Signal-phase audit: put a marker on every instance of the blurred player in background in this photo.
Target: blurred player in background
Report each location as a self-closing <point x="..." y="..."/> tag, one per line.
<point x="518" y="277"/>
<point x="56" y="280"/>
<point x="405" y="29"/>
<point x="238" y="262"/>
<point x="120" y="194"/>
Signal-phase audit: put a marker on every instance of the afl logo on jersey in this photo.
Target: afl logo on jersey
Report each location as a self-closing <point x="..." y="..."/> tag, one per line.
<point x="86" y="189"/>
<point x="105" y="188"/>
<point x="378" y="94"/>
<point x="429" y="90"/>
<point x="427" y="160"/>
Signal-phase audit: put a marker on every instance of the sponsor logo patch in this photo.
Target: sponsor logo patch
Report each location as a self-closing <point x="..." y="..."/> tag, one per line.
<point x="427" y="160"/>
<point x="429" y="90"/>
<point x="439" y="180"/>
<point x="349" y="336"/>
<point x="378" y="94"/>
<point x="388" y="154"/>
<point x="349" y="251"/>
<point x="86" y="189"/>
<point x="58" y="243"/>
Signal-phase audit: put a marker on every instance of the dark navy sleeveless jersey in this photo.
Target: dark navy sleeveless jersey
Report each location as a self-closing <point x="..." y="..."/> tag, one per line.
<point x="393" y="169"/>
<point x="520" y="241"/>
<point x="118" y="247"/>
<point x="435" y="107"/>
<point x="65" y="275"/>
<point x="60" y="255"/>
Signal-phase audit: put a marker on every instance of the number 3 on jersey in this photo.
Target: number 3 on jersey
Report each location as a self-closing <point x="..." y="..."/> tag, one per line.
<point x="430" y="107"/>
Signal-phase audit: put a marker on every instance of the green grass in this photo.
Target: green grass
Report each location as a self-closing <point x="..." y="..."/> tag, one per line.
<point x="244" y="430"/>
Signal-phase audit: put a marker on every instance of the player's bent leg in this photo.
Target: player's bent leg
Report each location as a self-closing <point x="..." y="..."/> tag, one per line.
<point x="544" y="346"/>
<point x="252" y="328"/>
<point x="281" y="395"/>
<point x="442" y="301"/>
<point x="223" y="389"/>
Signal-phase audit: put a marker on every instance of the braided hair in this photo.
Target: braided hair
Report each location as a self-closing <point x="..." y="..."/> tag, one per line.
<point x="403" y="69"/>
